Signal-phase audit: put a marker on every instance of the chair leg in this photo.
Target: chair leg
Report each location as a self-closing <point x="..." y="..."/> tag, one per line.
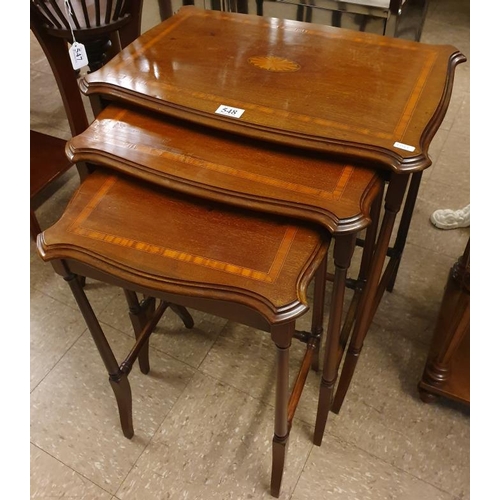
<point x="118" y="379"/>
<point x="342" y="253"/>
<point x="393" y="200"/>
<point x="281" y="335"/>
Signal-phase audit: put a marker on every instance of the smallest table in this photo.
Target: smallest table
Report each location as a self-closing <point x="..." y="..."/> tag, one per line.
<point x="234" y="264"/>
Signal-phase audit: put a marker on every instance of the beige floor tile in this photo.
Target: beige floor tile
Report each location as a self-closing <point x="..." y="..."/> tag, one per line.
<point x="341" y="470"/>
<point x="461" y="125"/>
<point x="46" y="103"/>
<point x="423" y="274"/>
<point x="51" y="335"/>
<point x="170" y="336"/>
<point x="51" y="202"/>
<point x="215" y="444"/>
<point x="74" y="415"/>
<point x="450" y="12"/>
<point x="45" y="280"/>
<point x="50" y="479"/>
<point x="454" y="108"/>
<point x="245" y="359"/>
<point x="437" y="144"/>
<point x="150" y="15"/>
<point x="402" y="315"/>
<point x="38" y="61"/>
<point x="453" y="166"/>
<point x="383" y="415"/>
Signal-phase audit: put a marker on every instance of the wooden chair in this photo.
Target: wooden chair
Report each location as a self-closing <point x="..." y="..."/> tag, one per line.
<point x="104" y="31"/>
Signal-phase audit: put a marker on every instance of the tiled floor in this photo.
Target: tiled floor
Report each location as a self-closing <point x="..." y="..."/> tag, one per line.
<point x="204" y="415"/>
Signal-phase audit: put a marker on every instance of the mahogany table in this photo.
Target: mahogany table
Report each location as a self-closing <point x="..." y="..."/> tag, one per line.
<point x="227" y="168"/>
<point x="147" y="240"/>
<point x="354" y="96"/>
<point x="244" y="265"/>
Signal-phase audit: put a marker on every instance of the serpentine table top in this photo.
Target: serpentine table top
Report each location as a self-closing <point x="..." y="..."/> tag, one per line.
<point x="363" y="96"/>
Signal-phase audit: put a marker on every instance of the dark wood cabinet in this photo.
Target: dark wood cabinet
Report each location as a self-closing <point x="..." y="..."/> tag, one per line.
<point x="447" y="370"/>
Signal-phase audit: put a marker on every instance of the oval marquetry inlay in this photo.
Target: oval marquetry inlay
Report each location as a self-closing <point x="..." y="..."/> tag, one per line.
<point x="273" y="63"/>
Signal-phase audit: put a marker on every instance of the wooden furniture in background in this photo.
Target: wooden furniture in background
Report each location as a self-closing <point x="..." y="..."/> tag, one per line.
<point x="447" y="370"/>
<point x="299" y="85"/>
<point x="48" y="162"/>
<point x="103" y="26"/>
<point x="104" y="31"/>
<point x="396" y="18"/>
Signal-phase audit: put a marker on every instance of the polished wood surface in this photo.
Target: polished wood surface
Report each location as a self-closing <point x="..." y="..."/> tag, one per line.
<point x="357" y="94"/>
<point x="230" y="168"/>
<point x="179" y="247"/>
<point x="447" y="370"/>
<point x="234" y="263"/>
<point x="47" y="163"/>
<point x="48" y="160"/>
<point x="241" y="172"/>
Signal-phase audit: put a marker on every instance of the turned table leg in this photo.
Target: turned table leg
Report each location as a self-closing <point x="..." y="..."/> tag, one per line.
<point x="140" y="313"/>
<point x="118" y="380"/>
<point x="281" y="335"/>
<point x="318" y="310"/>
<point x="393" y="200"/>
<point x="342" y="254"/>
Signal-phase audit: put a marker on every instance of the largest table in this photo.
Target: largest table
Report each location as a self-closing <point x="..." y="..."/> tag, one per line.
<point x="355" y="96"/>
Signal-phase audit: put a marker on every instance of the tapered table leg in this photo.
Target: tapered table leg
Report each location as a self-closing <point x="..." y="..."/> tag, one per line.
<point x="393" y="200"/>
<point x="118" y="380"/>
<point x="281" y="335"/>
<point x="404" y="226"/>
<point x="342" y="254"/>
<point x="318" y="310"/>
<point x="364" y="268"/>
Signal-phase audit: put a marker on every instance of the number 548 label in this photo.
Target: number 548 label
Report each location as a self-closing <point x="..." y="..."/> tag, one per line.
<point x="229" y="111"/>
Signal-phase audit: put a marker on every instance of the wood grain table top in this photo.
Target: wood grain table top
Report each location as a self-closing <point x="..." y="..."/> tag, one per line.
<point x="229" y="168"/>
<point x="329" y="89"/>
<point x="162" y="240"/>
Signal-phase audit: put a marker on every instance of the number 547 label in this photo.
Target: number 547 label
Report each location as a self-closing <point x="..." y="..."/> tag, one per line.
<point x="229" y="111"/>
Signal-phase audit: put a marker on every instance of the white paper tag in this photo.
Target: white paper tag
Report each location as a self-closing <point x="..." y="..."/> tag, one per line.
<point x="406" y="147"/>
<point x="229" y="111"/>
<point x="78" y="55"/>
